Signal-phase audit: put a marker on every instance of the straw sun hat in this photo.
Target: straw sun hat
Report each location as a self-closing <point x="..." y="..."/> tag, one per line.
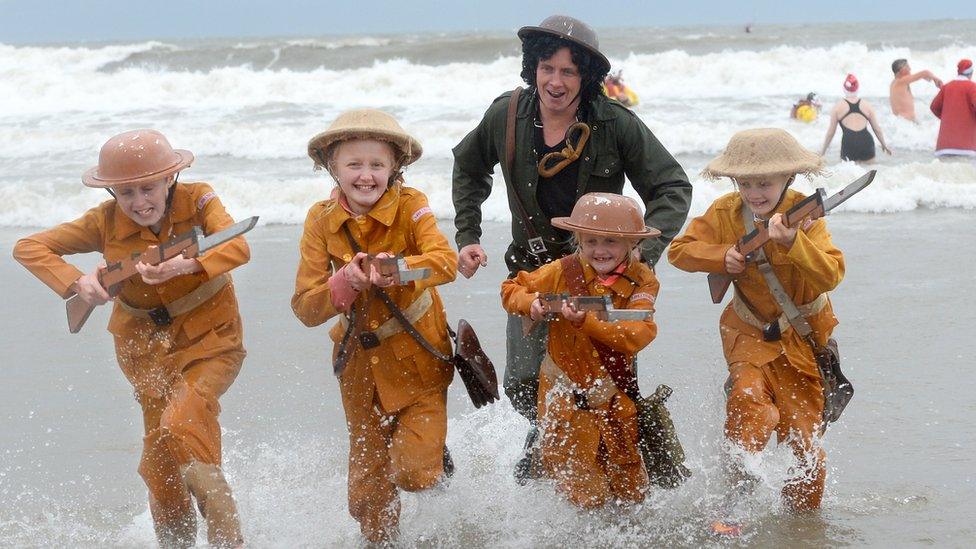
<point x="762" y="152"/>
<point x="364" y="124"/>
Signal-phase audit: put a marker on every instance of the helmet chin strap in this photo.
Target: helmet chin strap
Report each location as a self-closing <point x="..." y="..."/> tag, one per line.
<point x="779" y="201"/>
<point x="782" y="195"/>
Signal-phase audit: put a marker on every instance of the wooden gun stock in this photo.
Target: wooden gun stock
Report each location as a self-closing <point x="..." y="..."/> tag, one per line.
<point x="78" y="312"/>
<point x="718" y="284"/>
<point x="112" y="276"/>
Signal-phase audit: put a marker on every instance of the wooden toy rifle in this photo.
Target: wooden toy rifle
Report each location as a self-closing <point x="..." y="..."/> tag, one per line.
<point x="397" y="267"/>
<point x="189" y="244"/>
<point x="812" y="207"/>
<point x="602" y="306"/>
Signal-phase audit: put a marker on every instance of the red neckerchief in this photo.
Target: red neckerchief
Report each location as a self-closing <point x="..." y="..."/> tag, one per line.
<point x="615" y="274"/>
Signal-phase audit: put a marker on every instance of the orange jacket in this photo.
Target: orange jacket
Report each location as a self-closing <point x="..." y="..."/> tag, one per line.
<point x="812" y="266"/>
<point x="106" y="229"/>
<point x="401" y="222"/>
<point x="570" y="348"/>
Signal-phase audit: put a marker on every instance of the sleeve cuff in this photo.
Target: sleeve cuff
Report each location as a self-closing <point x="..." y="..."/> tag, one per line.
<point x="342" y="293"/>
<point x="463" y="240"/>
<point x="66" y="279"/>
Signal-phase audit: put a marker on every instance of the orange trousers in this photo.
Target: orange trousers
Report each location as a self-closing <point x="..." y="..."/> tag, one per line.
<point x="575" y="455"/>
<point x="181" y="426"/>
<point x="778" y="397"/>
<point x="402" y="450"/>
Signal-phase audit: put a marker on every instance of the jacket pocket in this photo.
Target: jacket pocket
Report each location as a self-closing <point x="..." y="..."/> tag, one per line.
<point x="606" y="165"/>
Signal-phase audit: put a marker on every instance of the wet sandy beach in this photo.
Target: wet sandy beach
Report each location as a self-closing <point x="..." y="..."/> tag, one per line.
<point x="900" y="462"/>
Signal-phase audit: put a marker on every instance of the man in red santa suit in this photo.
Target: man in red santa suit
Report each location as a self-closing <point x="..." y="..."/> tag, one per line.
<point x="955" y="105"/>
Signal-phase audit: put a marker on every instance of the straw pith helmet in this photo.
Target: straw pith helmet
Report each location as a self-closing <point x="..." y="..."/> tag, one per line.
<point x="571" y="29"/>
<point x="135" y="157"/>
<point x="606" y="214"/>
<point x="364" y="124"/>
<point x="763" y="151"/>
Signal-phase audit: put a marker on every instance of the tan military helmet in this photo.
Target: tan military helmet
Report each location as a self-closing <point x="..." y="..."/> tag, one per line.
<point x="606" y="214"/>
<point x="135" y="157"/>
<point x="572" y="29"/>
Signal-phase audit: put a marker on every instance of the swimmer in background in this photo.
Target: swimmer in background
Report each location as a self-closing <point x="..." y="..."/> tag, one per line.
<point x="806" y="110"/>
<point x="854" y="115"/>
<point x="900" y="93"/>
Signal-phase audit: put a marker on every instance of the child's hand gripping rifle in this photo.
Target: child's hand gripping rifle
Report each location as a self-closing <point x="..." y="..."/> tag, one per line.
<point x="396" y="266"/>
<point x="602" y="306"/>
<point x="812" y="207"/>
<point x="189" y="244"/>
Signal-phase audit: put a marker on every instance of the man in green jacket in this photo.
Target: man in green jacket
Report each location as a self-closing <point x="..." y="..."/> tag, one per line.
<point x="594" y="142"/>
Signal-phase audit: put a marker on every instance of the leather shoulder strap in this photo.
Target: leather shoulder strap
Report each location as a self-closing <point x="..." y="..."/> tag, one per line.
<point x="786" y="304"/>
<point x="510" y="129"/>
<point x="536" y="243"/>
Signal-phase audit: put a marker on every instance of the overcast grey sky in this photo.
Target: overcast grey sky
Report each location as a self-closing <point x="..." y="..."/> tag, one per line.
<point x="45" y="21"/>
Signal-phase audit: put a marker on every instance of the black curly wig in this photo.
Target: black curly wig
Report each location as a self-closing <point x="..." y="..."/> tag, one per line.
<point x="539" y="46"/>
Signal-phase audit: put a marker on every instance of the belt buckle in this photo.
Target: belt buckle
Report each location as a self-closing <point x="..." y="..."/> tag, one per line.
<point x="537" y="246"/>
<point x="369" y="340"/>
<point x="160" y="315"/>
<point x="581" y="401"/>
<point x="771" y="331"/>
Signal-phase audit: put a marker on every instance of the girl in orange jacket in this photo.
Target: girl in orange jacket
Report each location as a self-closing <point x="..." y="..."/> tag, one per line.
<point x="182" y="362"/>
<point x="774" y="383"/>
<point x="589" y="425"/>
<point x="394" y="392"/>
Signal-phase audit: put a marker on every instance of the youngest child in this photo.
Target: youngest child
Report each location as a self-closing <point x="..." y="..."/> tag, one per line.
<point x="588" y="421"/>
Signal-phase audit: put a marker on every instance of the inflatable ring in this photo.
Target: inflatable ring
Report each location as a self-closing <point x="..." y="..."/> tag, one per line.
<point x="806" y="113"/>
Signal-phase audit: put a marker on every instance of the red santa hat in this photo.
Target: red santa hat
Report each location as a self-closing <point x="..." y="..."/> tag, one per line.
<point x="965" y="67"/>
<point x="851" y="84"/>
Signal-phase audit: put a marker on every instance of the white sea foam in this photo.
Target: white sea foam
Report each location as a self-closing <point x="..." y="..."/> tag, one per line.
<point x="285" y="485"/>
<point x="249" y="126"/>
<point x="932" y="184"/>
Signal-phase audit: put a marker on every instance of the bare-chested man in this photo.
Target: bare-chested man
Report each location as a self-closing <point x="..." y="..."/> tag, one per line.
<point x="902" y="100"/>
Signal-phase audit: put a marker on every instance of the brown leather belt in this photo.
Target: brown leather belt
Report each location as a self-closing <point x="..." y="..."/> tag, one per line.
<point x="392" y="325"/>
<point x="597" y="396"/>
<point x="749" y="318"/>
<point x="164" y="315"/>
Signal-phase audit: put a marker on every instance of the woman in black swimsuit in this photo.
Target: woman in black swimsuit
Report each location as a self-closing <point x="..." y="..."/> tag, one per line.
<point x="856" y="143"/>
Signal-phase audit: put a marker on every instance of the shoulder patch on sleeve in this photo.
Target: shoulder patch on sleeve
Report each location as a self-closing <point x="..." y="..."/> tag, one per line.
<point x="420" y="213"/>
<point x="642" y="296"/>
<point x="202" y="201"/>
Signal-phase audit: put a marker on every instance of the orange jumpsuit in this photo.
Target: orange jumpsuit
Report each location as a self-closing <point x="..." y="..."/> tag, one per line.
<point x="775" y="385"/>
<point x="591" y="454"/>
<point x="178" y="371"/>
<point x="394" y="395"/>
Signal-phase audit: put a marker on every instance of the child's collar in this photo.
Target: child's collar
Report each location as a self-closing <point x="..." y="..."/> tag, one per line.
<point x="613" y="275"/>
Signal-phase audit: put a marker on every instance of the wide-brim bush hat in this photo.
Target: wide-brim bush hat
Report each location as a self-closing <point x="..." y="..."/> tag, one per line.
<point x="764" y="152"/>
<point x="365" y="124"/>
<point x="606" y="214"/>
<point x="135" y="157"/>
